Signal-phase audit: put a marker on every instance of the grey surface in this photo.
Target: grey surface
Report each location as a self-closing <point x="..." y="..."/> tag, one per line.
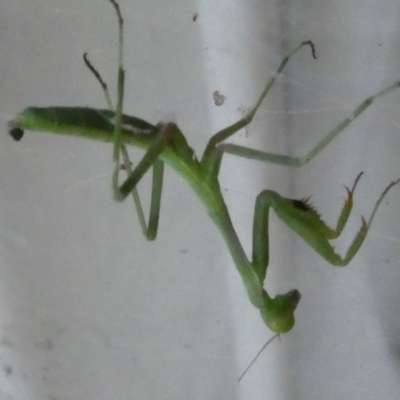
<point x="90" y="310"/>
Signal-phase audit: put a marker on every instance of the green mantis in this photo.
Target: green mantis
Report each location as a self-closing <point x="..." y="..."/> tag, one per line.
<point x="165" y="143"/>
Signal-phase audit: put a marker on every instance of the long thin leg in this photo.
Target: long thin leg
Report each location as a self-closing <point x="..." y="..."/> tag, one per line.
<point x="232" y="129"/>
<point x="215" y="148"/>
<point x="149" y="230"/>
<point x="120" y="100"/>
<point x="299" y="161"/>
<point x="211" y="156"/>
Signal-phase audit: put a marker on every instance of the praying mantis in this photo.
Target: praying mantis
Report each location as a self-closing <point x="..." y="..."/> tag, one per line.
<point x="165" y="143"/>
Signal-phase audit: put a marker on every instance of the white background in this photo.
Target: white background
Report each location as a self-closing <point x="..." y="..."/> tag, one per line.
<point x="90" y="310"/>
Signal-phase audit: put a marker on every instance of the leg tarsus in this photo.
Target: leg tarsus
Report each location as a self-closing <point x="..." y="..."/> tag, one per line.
<point x="365" y="226"/>
<point x="379" y="201"/>
<point x="101" y="81"/>
<point x="351" y="191"/>
<point x="347" y="207"/>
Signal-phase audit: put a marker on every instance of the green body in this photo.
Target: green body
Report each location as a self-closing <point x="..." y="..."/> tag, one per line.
<point x="165" y="143"/>
<point x="278" y="312"/>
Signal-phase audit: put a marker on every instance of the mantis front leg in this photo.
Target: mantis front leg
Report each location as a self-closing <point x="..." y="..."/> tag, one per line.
<point x="302" y="218"/>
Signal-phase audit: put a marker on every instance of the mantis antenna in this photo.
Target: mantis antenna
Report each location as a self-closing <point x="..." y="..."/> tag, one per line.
<point x="257" y="355"/>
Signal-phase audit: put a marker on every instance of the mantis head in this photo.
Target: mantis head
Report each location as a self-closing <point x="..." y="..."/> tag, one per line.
<point x="278" y="314"/>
